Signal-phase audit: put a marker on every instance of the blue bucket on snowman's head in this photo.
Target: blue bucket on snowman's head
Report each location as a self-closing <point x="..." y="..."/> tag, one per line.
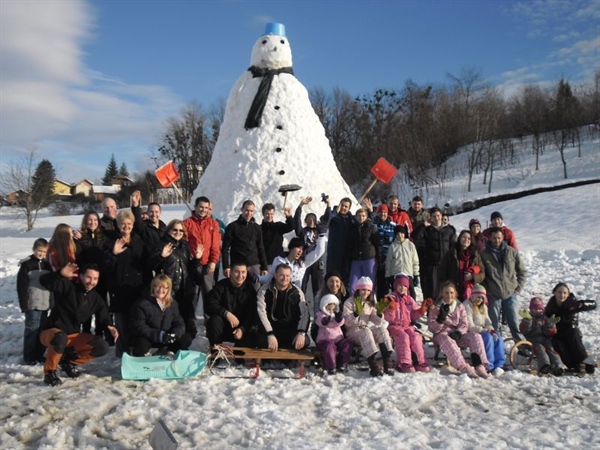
<point x="274" y="28"/>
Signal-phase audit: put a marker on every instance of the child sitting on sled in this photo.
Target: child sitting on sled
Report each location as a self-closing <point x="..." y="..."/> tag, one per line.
<point x="330" y="338"/>
<point x="400" y="313"/>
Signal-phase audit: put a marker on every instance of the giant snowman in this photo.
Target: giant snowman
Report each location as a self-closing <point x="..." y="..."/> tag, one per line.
<point x="270" y="137"/>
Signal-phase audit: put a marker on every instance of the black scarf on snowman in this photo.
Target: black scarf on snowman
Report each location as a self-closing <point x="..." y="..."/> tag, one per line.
<point x="260" y="99"/>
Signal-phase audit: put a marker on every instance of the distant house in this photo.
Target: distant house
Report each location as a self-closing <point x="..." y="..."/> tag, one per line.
<point x="17" y="197"/>
<point x="100" y="192"/>
<point x="61" y="189"/>
<point x="122" y="180"/>
<point x="83" y="187"/>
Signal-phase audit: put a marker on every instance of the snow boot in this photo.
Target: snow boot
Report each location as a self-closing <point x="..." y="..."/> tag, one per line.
<point x="469" y="370"/>
<point x="388" y="366"/>
<point x="51" y="379"/>
<point x="69" y="369"/>
<point x="375" y="368"/>
<point x="482" y="371"/>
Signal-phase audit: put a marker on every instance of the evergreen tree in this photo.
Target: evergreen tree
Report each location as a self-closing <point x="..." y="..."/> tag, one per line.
<point x="123" y="170"/>
<point x="111" y="171"/>
<point x="42" y="184"/>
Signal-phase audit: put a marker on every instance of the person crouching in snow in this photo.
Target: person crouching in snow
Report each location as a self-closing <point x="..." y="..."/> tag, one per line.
<point x="480" y="322"/>
<point x="568" y="340"/>
<point x="155" y="321"/>
<point x="330" y="338"/>
<point x="401" y="312"/>
<point x="539" y="329"/>
<point x="74" y="304"/>
<point x="365" y="326"/>
<point x="450" y="327"/>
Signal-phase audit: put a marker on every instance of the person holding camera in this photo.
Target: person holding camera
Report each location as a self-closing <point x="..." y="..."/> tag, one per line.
<point x="155" y="321"/>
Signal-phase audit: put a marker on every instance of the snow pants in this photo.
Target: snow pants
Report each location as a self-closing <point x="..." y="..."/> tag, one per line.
<point x="408" y="341"/>
<point x="80" y="347"/>
<point x="451" y="348"/>
<point x="544" y="352"/>
<point x="330" y="349"/>
<point x="494" y="350"/>
<point x="369" y="338"/>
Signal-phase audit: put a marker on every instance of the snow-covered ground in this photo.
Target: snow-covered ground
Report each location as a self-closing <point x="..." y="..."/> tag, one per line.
<point x="559" y="236"/>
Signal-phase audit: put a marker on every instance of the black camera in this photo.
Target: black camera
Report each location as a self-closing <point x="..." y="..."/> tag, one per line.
<point x="324" y="198"/>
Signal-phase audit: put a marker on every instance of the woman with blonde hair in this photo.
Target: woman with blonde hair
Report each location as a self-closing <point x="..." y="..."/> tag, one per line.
<point x="155" y="321"/>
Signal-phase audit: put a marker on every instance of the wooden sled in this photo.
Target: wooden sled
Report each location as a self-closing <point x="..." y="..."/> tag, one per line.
<point x="184" y="364"/>
<point x="256" y="355"/>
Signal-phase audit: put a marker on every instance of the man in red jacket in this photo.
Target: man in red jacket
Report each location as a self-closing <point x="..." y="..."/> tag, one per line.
<point x="204" y="230"/>
<point x="398" y="215"/>
<point x="497" y="221"/>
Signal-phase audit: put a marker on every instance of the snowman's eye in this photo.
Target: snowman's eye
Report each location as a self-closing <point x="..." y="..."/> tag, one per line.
<point x="264" y="41"/>
<point x="282" y="41"/>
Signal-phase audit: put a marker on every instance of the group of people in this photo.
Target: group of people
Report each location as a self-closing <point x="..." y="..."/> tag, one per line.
<point x="141" y="280"/>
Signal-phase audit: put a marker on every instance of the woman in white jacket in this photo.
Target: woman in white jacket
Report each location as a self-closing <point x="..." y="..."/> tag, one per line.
<point x="402" y="257"/>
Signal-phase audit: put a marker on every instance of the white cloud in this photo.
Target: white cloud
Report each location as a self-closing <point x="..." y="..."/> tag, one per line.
<point x="52" y="101"/>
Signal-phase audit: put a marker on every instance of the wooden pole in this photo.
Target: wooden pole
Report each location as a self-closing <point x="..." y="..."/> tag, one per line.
<point x="368" y="190"/>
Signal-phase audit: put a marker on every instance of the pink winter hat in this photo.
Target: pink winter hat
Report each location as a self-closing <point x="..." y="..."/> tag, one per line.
<point x="478" y="290"/>
<point x="363" y="283"/>
<point x="401" y="280"/>
<point x="536" y="304"/>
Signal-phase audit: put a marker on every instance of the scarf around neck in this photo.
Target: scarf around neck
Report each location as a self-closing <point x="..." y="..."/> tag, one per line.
<point x="260" y="99"/>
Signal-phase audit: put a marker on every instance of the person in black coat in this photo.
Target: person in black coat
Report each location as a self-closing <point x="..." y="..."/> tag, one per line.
<point x="272" y="232"/>
<point x="568" y="341"/>
<point x="231" y="310"/>
<point x="155" y="322"/>
<point x="339" y="227"/>
<point x="172" y="256"/>
<point x="433" y="241"/>
<point x="75" y="303"/>
<point x="126" y="262"/>
<point x="363" y="248"/>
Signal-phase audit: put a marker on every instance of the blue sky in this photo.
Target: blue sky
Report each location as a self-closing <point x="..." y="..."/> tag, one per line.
<point x="84" y="79"/>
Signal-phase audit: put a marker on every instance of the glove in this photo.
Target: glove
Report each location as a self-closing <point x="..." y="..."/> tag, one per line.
<point x="338" y="316"/>
<point x="493" y="334"/>
<point x="587" y="305"/>
<point x="382" y="305"/>
<point x="456" y="335"/>
<point x="167" y="338"/>
<point x="325" y="320"/>
<point x="426" y="305"/>
<point x="416" y="281"/>
<point x="552" y="320"/>
<point x="358" y="306"/>
<point x="444" y="310"/>
<point x="525" y="314"/>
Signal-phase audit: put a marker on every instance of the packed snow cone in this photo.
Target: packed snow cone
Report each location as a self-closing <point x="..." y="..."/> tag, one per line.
<point x="356" y="289"/>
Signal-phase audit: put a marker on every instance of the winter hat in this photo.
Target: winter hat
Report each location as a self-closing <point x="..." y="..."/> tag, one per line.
<point x="536" y="304"/>
<point x="496" y="215"/>
<point x="295" y="242"/>
<point x="401" y="229"/>
<point x="332" y="273"/>
<point x="474" y="222"/>
<point x="401" y="280"/>
<point x="383" y="207"/>
<point x="327" y="300"/>
<point x="363" y="283"/>
<point x="478" y="290"/>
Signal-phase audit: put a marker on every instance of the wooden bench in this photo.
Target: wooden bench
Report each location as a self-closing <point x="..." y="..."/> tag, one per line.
<point x="258" y="354"/>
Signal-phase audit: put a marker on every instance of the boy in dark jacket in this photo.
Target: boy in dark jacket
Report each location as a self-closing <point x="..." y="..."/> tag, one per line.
<point x="74" y="304"/>
<point x="34" y="300"/>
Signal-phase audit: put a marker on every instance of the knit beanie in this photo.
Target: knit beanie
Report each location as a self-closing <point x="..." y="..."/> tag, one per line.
<point x="474" y="222"/>
<point x="496" y="215"/>
<point x="328" y="299"/>
<point x="401" y="280"/>
<point x="383" y="207"/>
<point x="363" y="283"/>
<point x="536" y="304"/>
<point x="332" y="273"/>
<point x="479" y="290"/>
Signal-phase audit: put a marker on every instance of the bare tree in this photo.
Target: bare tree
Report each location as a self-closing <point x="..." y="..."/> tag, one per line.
<point x="188" y="142"/>
<point x="23" y="176"/>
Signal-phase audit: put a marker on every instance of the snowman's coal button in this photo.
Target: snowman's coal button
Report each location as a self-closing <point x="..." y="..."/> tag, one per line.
<point x="282" y="172"/>
<point x="276" y="106"/>
<point x="279" y="127"/>
<point x="278" y="149"/>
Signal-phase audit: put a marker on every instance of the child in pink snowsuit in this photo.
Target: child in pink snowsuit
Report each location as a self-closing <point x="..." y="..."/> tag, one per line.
<point x="403" y="310"/>
<point x="330" y="338"/>
<point x="449" y="325"/>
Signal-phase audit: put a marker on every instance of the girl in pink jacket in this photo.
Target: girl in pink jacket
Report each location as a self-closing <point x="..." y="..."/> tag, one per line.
<point x="330" y="338"/>
<point x="403" y="310"/>
<point x="450" y="327"/>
